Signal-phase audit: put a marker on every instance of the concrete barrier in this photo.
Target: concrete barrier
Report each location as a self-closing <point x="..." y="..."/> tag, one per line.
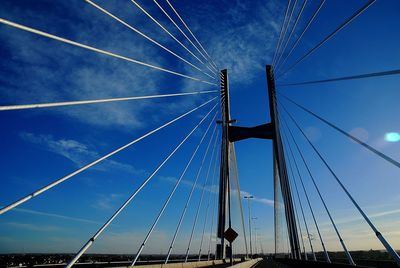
<point x="247" y="264"/>
<point x="194" y="264"/>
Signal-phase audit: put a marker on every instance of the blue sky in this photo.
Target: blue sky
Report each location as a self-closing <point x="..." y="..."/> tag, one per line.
<point x="42" y="145"/>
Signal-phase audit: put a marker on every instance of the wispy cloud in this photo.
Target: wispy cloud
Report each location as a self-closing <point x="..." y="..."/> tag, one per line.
<point x="70" y="149"/>
<point x="214" y="189"/>
<point x="243" y="41"/>
<point x="189" y="183"/>
<point x="360" y="218"/>
<point x="53" y="215"/>
<point x="58" y="72"/>
<point x="262" y="200"/>
<point x="109" y="201"/>
<point x="77" y="152"/>
<point x="33" y="227"/>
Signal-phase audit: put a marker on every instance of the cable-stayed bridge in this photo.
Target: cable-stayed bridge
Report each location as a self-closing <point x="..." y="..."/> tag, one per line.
<point x="224" y="239"/>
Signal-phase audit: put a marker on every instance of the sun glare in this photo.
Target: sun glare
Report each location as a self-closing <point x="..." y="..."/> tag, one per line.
<point x="392" y="136"/>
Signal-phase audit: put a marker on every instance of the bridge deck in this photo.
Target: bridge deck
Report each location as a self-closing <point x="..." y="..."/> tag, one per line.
<point x="287" y="263"/>
<point x="271" y="264"/>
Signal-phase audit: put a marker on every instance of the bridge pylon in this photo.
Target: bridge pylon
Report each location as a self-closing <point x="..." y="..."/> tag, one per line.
<point x="224" y="191"/>
<point x="280" y="168"/>
<point x="236" y="133"/>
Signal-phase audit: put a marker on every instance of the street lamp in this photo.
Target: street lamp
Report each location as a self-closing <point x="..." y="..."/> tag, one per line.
<point x="256" y="237"/>
<point x="248" y="205"/>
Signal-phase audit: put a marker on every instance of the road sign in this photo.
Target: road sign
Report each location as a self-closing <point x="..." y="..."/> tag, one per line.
<point x="230" y="235"/>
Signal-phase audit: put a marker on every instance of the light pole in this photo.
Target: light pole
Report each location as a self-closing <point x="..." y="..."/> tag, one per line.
<point x="255" y="236"/>
<point x="248" y="205"/>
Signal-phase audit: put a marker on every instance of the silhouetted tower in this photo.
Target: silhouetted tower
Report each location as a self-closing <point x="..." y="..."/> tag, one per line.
<point x="264" y="131"/>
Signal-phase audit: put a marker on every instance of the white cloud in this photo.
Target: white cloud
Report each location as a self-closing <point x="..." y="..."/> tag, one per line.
<point x="77" y="152"/>
<point x="265" y="201"/>
<point x="360" y="218"/>
<point x="47" y="71"/>
<point x="53" y="215"/>
<point x="58" y="72"/>
<point x="189" y="183"/>
<point x="109" y="201"/>
<point x="241" y="39"/>
<point x="70" y="149"/>
<point x="214" y="189"/>
<point x="33" y="227"/>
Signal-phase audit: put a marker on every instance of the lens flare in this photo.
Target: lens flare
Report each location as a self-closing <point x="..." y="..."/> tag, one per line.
<point x="392" y="136"/>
